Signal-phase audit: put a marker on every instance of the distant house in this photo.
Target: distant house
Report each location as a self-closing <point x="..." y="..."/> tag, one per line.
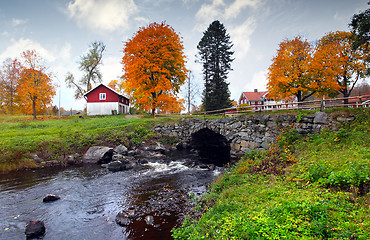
<point x="261" y="101"/>
<point x="103" y="100"/>
<point x="254" y="99"/>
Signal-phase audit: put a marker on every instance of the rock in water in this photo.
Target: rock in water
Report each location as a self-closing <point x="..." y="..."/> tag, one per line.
<point x="149" y="220"/>
<point x="125" y="218"/>
<point x="35" y="229"/>
<point x="50" y="198"/>
<point x="98" y="154"/>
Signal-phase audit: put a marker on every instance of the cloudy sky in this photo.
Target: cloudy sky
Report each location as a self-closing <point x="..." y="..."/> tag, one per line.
<point x="62" y="30"/>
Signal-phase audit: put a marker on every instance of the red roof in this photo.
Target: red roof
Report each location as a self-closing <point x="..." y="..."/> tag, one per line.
<point x="253" y="96"/>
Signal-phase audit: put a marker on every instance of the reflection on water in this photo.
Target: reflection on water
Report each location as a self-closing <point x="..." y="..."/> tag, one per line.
<point x="91" y="197"/>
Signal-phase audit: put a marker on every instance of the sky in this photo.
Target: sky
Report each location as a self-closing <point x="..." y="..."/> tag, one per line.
<point x="62" y="30"/>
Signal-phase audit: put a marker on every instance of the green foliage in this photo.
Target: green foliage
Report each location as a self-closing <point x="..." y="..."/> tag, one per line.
<point x="140" y="134"/>
<point x="287" y="138"/>
<point x="323" y="195"/>
<point x="216" y="56"/>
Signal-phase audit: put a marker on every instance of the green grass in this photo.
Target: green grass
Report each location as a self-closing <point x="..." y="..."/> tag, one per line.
<point x="53" y="139"/>
<point x="313" y="187"/>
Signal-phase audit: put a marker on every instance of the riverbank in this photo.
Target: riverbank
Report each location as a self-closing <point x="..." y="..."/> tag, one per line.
<point x="29" y="144"/>
<point x="304" y="187"/>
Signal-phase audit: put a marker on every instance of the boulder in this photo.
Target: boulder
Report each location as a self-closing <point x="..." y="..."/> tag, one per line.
<point x="120" y="149"/>
<point x="320" y="117"/>
<point x="35" y="229"/>
<point x="125" y="217"/>
<point x="120" y="165"/>
<point x="50" y="198"/>
<point x="98" y="154"/>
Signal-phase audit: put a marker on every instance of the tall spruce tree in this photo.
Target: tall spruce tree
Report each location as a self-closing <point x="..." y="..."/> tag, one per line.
<point x="216" y="56"/>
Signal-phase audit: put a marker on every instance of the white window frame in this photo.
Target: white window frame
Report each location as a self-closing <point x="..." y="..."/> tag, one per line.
<point x="102" y="96"/>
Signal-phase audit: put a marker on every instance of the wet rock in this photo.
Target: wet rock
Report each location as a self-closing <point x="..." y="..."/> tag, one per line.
<point x="120" y="165"/>
<point x="132" y="153"/>
<point x="120" y="149"/>
<point x="35" y="229"/>
<point x="179" y="146"/>
<point x="125" y="217"/>
<point x="149" y="220"/>
<point x="211" y="167"/>
<point x="203" y="166"/>
<point x="98" y="154"/>
<point x="143" y="161"/>
<point x="50" y="198"/>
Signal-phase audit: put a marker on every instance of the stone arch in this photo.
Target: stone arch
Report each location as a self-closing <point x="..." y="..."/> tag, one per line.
<point x="211" y="146"/>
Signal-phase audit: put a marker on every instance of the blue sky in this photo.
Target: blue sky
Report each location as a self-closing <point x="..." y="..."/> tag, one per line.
<point x="61" y="31"/>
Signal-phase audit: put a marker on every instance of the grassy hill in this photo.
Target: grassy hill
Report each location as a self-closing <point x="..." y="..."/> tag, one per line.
<point x="304" y="187"/>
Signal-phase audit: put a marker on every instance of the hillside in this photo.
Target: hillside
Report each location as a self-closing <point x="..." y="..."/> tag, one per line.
<point x="304" y="187"/>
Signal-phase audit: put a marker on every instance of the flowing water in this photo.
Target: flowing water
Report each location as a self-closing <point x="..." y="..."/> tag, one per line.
<point x="91" y="197"/>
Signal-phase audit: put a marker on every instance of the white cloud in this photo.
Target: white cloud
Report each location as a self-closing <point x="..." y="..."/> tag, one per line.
<point x="141" y="21"/>
<point x="218" y="9"/>
<point x="17" y="22"/>
<point x="210" y="11"/>
<point x="258" y="81"/>
<point x="240" y="36"/>
<point x="111" y="69"/>
<point x="102" y="15"/>
<point x="20" y="45"/>
<point x="233" y="10"/>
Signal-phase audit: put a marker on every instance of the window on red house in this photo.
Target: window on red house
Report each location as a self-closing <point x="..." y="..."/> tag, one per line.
<point x="102" y="96"/>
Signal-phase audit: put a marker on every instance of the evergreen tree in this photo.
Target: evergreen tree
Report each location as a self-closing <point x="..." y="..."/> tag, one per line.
<point x="216" y="56"/>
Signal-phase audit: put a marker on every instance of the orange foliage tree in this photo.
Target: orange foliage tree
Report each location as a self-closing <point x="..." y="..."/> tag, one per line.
<point x="337" y="64"/>
<point x="35" y="90"/>
<point x="289" y="72"/>
<point x="154" y="68"/>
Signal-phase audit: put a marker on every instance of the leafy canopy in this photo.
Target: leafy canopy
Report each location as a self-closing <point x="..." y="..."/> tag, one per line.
<point x="89" y="64"/>
<point x="288" y="74"/>
<point x="154" y="68"/>
<point x="35" y="90"/>
<point x="341" y="65"/>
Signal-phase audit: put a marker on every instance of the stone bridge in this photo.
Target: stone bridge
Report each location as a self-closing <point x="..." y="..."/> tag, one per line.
<point x="220" y="140"/>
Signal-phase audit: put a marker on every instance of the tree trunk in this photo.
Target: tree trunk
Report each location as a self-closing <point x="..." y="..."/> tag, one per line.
<point x="34" y="108"/>
<point x="345" y="95"/>
<point x="153" y="112"/>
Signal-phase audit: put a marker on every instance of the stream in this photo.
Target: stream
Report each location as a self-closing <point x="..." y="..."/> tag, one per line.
<point x="92" y="196"/>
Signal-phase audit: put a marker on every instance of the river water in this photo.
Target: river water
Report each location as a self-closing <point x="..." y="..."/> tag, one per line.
<point x="91" y="197"/>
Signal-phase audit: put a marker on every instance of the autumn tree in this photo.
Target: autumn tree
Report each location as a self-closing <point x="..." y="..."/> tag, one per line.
<point x="89" y="64"/>
<point x="9" y="78"/>
<point x="215" y="54"/>
<point x="117" y="85"/>
<point x="35" y="90"/>
<point x="288" y="75"/>
<point x="344" y="65"/>
<point x="154" y="68"/>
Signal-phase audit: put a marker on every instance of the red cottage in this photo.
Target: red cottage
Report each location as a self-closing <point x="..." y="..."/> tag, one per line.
<point x="254" y="99"/>
<point x="103" y="100"/>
